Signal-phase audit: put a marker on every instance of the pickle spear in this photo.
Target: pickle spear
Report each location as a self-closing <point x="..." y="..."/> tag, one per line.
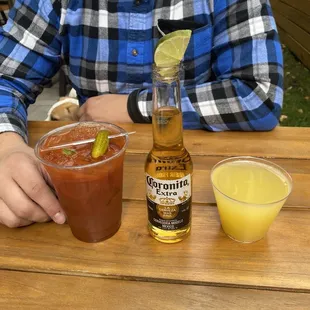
<point x="101" y="144"/>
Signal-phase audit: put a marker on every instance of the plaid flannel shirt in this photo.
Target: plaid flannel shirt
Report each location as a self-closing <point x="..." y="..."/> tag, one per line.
<point x="233" y="73"/>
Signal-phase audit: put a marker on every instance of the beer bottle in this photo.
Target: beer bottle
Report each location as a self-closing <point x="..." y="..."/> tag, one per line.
<point x="168" y="167"/>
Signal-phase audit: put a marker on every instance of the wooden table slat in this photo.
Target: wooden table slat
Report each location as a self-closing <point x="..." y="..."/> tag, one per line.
<point x="40" y="291"/>
<point x="281" y="260"/>
<point x="134" y="179"/>
<point x="244" y="143"/>
<point x="282" y="142"/>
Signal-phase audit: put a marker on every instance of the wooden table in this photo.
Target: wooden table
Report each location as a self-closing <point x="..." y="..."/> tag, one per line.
<point x="44" y="267"/>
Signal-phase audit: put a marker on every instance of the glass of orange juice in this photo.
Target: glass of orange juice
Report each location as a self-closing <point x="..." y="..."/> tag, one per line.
<point x="249" y="193"/>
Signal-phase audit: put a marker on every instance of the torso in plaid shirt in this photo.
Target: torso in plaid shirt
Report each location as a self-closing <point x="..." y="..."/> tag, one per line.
<point x="232" y="68"/>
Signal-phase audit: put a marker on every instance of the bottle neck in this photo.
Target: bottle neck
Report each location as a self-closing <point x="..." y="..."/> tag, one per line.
<point x="167" y="113"/>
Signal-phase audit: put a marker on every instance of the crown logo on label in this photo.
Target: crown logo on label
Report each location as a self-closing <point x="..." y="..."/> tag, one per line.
<point x="152" y="197"/>
<point x="184" y="197"/>
<point x="167" y="201"/>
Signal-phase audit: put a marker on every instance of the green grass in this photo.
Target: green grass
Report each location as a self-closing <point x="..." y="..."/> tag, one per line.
<point x="296" y="105"/>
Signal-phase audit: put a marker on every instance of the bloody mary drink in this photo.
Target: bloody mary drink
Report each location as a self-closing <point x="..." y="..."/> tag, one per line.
<point x="89" y="190"/>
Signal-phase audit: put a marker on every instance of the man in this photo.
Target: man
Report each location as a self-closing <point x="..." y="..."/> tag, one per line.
<point x="232" y="75"/>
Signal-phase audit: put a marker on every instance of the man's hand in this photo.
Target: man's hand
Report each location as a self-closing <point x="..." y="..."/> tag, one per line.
<point x="25" y="196"/>
<point x="105" y="108"/>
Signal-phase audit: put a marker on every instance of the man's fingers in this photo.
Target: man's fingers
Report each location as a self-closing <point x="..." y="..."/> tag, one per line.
<point x="35" y="187"/>
<point x="21" y="205"/>
<point x="9" y="219"/>
<point x="87" y="112"/>
<point x="82" y="118"/>
<point x="81" y="111"/>
<point x="47" y="178"/>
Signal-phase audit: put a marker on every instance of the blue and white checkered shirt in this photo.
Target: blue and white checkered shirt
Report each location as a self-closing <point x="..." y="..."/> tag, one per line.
<point x="233" y="73"/>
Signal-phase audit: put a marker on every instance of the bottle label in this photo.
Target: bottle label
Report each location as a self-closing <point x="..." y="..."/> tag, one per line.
<point x="169" y="202"/>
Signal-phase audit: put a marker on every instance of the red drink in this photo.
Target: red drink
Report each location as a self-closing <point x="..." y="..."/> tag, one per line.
<point x="89" y="190"/>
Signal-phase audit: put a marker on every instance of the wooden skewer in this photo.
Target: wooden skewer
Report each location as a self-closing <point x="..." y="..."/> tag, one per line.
<point x="73" y="143"/>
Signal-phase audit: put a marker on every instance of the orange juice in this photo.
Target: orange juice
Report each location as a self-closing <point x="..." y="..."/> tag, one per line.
<point x="249" y="193"/>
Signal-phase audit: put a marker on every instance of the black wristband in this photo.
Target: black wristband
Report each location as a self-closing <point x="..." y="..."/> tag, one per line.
<point x="133" y="109"/>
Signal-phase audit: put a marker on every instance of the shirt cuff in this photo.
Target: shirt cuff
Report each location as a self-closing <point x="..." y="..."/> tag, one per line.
<point x="133" y="108"/>
<point x="11" y="123"/>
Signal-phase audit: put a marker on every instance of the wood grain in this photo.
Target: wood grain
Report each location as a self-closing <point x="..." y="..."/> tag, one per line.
<point x="41" y="291"/>
<point x="293" y="20"/>
<point x="299" y="34"/>
<point x="293" y="14"/>
<point x="282" y="142"/>
<point x="300" y="5"/>
<point x="207" y="257"/>
<point x="295" y="46"/>
<point x="134" y="180"/>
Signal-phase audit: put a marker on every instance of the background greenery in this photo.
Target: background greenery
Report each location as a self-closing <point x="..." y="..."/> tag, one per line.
<point x="296" y="105"/>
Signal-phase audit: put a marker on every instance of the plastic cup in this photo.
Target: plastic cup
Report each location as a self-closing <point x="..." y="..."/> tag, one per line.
<point x="90" y="195"/>
<point x="249" y="193"/>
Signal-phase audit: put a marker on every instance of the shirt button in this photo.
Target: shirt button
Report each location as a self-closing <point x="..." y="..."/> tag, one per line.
<point x="137" y="2"/>
<point x="134" y="52"/>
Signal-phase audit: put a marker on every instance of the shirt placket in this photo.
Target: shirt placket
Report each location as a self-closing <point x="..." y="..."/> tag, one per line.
<point x="136" y="41"/>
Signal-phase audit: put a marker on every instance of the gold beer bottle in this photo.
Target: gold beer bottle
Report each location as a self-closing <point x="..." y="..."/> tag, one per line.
<point x="168" y="167"/>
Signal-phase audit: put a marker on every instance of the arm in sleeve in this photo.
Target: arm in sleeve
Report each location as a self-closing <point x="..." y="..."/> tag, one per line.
<point x="29" y="58"/>
<point x="247" y="89"/>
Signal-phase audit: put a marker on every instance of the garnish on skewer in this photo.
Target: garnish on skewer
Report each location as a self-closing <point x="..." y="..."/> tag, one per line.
<point x="68" y="152"/>
<point x="101" y="144"/>
<point x="170" y="51"/>
<point x="74" y="143"/>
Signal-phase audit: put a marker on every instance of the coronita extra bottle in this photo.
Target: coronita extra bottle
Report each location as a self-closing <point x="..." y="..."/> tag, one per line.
<point x="168" y="167"/>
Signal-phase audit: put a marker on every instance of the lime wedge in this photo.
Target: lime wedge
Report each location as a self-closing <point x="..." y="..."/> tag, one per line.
<point x="171" y="48"/>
